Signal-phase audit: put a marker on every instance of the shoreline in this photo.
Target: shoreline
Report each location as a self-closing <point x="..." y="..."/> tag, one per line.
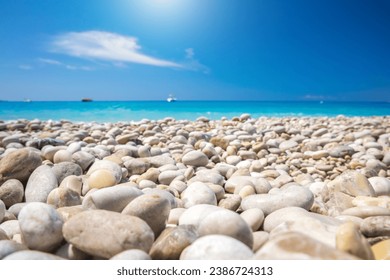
<point x="264" y="188"/>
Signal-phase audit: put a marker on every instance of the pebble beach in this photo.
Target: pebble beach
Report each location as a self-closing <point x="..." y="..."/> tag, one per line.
<point x="241" y="188"/>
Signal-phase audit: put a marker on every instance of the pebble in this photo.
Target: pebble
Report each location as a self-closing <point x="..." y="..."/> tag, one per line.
<point x="11" y="192"/>
<point x="353" y="183"/>
<point x="11" y="228"/>
<point x="174" y="215"/>
<point x="62" y="197"/>
<point x="8" y="247"/>
<point x="254" y="217"/>
<point x="216" y="247"/>
<point x="41" y="182"/>
<point x="198" y="193"/>
<point x="172" y="241"/>
<point x="367" y="211"/>
<point x="83" y="159"/>
<point x="376" y="226"/>
<point x="32" y="255"/>
<point x="133" y="254"/>
<point x="380" y="185"/>
<point x="236" y="183"/>
<point x="101" y="178"/>
<point x="382" y="250"/>
<point x="152" y="208"/>
<point x="19" y="165"/>
<point x="114" y="198"/>
<point x="292" y="196"/>
<point x="197" y="213"/>
<point x="195" y="158"/>
<point x="259" y="239"/>
<point x="104" y="234"/>
<point x="70" y="252"/>
<point x="40" y="226"/>
<point x="62" y="156"/>
<point x="73" y="183"/>
<point x="65" y="169"/>
<point x="113" y="167"/>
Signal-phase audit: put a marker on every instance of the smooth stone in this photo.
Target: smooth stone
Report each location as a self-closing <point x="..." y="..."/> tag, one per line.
<point x="380" y="185"/>
<point x="151" y="174"/>
<point x="198" y="193"/>
<point x="62" y="197"/>
<point x="376" y="226"/>
<point x="3" y="235"/>
<point x="381" y="201"/>
<point x="41" y="182"/>
<point x="70" y="252"/>
<point x="337" y="202"/>
<point x="8" y="247"/>
<point x="11" y="192"/>
<point x="350" y="240"/>
<point x="48" y="152"/>
<point x="83" y="159"/>
<point x="163" y="193"/>
<point x="19" y="165"/>
<point x="352" y="183"/>
<point x="136" y="166"/>
<point x="172" y="241"/>
<point x="15" y="209"/>
<point x="161" y="160"/>
<point x="174" y="215"/>
<point x="287" y="145"/>
<point x="114" y="198"/>
<point x="101" y="178"/>
<point x="236" y="183"/>
<point x="11" y="228"/>
<point x="152" y="208"/>
<point x="345" y="218"/>
<point x="259" y="239"/>
<point x="253" y="217"/>
<point x="291" y="196"/>
<point x="69" y="211"/>
<point x="245" y="191"/>
<point x="226" y="223"/>
<point x="208" y="176"/>
<point x="218" y="190"/>
<point x="32" y="255"/>
<point x="195" y="158"/>
<point x="73" y="183"/>
<point x="290" y="214"/>
<point x="197" y="213"/>
<point x="2" y="210"/>
<point x="62" y="156"/>
<point x="65" y="169"/>
<point x="105" y="233"/>
<point x="166" y="177"/>
<point x="40" y="226"/>
<point x="216" y="247"/>
<point x="298" y="246"/>
<point x="232" y="202"/>
<point x="133" y="254"/>
<point x="341" y="151"/>
<point x="382" y="250"/>
<point x="107" y="165"/>
<point x="367" y="211"/>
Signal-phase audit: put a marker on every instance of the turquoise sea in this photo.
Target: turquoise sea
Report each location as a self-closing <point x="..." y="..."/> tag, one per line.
<point x="114" y="111"/>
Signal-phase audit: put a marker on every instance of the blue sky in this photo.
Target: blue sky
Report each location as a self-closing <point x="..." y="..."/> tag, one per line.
<point x="195" y="49"/>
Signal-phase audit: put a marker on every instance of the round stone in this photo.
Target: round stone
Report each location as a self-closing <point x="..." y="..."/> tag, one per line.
<point x="133" y="254"/>
<point x="41" y="182"/>
<point x="226" y="223"/>
<point x="236" y="183"/>
<point x="72" y="182"/>
<point x="152" y="208"/>
<point x="172" y="241"/>
<point x="40" y="226"/>
<point x="11" y="192"/>
<point x="198" y="193"/>
<point x="65" y="169"/>
<point x="101" y="178"/>
<point x="83" y="159"/>
<point x="216" y="247"/>
<point x="62" y="156"/>
<point x="259" y="239"/>
<point x="352" y="183"/>
<point x="62" y="197"/>
<point x="197" y="213"/>
<point x="380" y="185"/>
<point x="105" y="233"/>
<point x="115" y="169"/>
<point x="253" y="217"/>
<point x="174" y="215"/>
<point x="288" y="145"/>
<point x="195" y="158"/>
<point x="70" y="252"/>
<point x="367" y="211"/>
<point x="8" y="247"/>
<point x="232" y="202"/>
<point x="376" y="226"/>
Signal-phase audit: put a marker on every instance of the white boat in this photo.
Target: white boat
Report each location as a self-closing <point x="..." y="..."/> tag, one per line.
<point x="171" y="98"/>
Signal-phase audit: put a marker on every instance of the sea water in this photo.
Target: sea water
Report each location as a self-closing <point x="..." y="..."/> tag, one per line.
<point x="115" y="111"/>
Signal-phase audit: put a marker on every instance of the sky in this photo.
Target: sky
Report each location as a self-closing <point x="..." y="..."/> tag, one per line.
<point x="195" y="49"/>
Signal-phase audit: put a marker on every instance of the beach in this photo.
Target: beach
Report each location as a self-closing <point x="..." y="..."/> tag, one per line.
<point x="244" y="187"/>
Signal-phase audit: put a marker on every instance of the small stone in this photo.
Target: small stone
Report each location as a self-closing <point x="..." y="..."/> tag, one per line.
<point x="73" y="183"/>
<point x="101" y="178"/>
<point x="352" y="183"/>
<point x="11" y="228"/>
<point x="114" y="198"/>
<point x="133" y="254"/>
<point x="288" y="197"/>
<point x="236" y="183"/>
<point x="32" y="255"/>
<point x="227" y="223"/>
<point x="350" y="240"/>
<point x="62" y="197"/>
<point x="65" y="169"/>
<point x="19" y="165"/>
<point x="115" y="168"/>
<point x="69" y="211"/>
<point x="8" y="247"/>
<point x="40" y="226"/>
<point x="382" y="250"/>
<point x="83" y="159"/>
<point x="11" y="192"/>
<point x="152" y="208"/>
<point x="216" y="247"/>
<point x="174" y="215"/>
<point x="195" y="158"/>
<point x="198" y="193"/>
<point x="208" y="176"/>
<point x="41" y="182"/>
<point x="104" y="233"/>
<point x="197" y="213"/>
<point x="62" y="156"/>
<point x="172" y="241"/>
<point x="298" y="246"/>
<point x="367" y="211"/>
<point x="259" y="239"/>
<point x="70" y="252"/>
<point x="253" y="217"/>
<point x="288" y="145"/>
<point x="232" y="202"/>
<point x="376" y="226"/>
<point x="380" y="185"/>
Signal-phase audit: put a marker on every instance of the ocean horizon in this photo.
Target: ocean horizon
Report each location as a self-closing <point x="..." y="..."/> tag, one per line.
<point x="116" y="111"/>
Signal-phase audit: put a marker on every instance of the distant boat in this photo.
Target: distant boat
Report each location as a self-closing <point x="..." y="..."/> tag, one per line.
<point x="86" y="100"/>
<point x="171" y="98"/>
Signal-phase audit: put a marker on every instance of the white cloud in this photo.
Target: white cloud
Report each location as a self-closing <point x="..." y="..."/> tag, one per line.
<point x="193" y="64"/>
<point x="25" y="67"/>
<point x="66" y="66"/>
<point x="106" y="46"/>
